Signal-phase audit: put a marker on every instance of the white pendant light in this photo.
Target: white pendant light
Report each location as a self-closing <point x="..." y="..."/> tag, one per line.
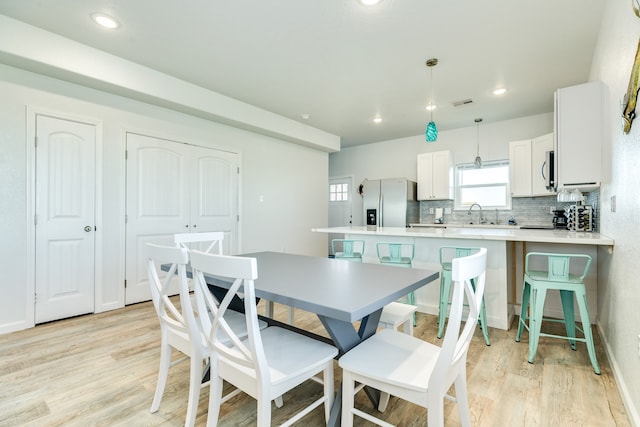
<point x="478" y="161"/>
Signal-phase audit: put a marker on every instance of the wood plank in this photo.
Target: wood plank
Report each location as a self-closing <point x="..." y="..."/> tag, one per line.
<point x="101" y="369"/>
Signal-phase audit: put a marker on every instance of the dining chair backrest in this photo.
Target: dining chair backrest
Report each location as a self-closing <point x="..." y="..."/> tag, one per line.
<point x="214" y="237"/>
<point x="220" y="336"/>
<point x="456" y="342"/>
<point x="169" y="315"/>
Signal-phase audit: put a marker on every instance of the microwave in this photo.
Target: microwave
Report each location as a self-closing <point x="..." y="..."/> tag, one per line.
<point x="548" y="171"/>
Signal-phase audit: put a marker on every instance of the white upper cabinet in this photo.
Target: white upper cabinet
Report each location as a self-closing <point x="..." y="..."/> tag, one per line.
<point x="520" y="168"/>
<point x="527" y="166"/>
<point x="435" y="176"/>
<point x="578" y="130"/>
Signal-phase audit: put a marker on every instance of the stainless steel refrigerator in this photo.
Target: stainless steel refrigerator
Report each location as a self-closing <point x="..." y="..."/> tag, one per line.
<point x="390" y="202"/>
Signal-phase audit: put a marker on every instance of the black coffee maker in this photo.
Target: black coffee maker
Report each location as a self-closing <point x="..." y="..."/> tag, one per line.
<point x="560" y="219"/>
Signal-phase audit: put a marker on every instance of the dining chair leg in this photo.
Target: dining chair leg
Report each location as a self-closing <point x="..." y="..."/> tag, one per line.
<point x="348" y="399"/>
<point x="264" y="412"/>
<point x="462" y="398"/>
<point x="328" y="391"/>
<point x="215" y="400"/>
<point x="163" y="373"/>
<point x="195" y="384"/>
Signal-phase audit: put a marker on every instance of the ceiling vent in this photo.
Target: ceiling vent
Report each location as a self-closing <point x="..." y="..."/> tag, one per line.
<point x="462" y="102"/>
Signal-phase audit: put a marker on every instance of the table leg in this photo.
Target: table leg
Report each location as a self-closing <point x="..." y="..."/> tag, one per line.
<point x="345" y="337"/>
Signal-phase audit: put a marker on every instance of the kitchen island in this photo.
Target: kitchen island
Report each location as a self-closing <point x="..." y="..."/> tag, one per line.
<point x="506" y="247"/>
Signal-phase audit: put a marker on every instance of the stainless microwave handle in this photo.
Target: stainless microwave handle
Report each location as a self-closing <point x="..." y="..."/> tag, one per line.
<point x="542" y="170"/>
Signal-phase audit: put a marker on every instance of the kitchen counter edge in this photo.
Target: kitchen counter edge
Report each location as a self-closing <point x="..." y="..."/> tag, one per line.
<point x="516" y="235"/>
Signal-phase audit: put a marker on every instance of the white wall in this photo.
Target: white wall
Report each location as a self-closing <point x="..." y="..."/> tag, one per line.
<point x="398" y="158"/>
<point x="291" y="178"/>
<point x="618" y="291"/>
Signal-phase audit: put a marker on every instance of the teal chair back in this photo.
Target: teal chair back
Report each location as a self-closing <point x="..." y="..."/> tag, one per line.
<point x="558" y="267"/>
<point x="395" y="253"/>
<point x="348" y="249"/>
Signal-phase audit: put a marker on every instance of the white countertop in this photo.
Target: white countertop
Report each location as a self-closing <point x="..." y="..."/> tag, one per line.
<point x="483" y="232"/>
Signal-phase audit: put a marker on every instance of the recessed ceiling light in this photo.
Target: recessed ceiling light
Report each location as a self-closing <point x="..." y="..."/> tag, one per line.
<point x="431" y="107"/>
<point x="369" y="2"/>
<point x="500" y="91"/>
<point x="377" y="119"/>
<point x="105" y="21"/>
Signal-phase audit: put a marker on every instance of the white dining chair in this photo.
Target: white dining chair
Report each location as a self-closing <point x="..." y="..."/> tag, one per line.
<point x="180" y="329"/>
<point x="415" y="370"/>
<point x="269" y="362"/>
<point x="174" y="330"/>
<point x="214" y="239"/>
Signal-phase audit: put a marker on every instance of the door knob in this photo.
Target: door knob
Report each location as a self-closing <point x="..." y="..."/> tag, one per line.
<point x="88" y="228"/>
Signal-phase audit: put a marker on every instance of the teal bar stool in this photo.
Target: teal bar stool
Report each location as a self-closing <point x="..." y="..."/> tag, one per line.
<point x="350" y="250"/>
<point x="447" y="253"/>
<point x="401" y="255"/>
<point x="556" y="277"/>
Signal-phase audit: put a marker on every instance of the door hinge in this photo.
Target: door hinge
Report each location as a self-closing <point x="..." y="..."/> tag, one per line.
<point x="238" y="218"/>
<point x="126" y="154"/>
<point x="35" y="298"/>
<point x="126" y="219"/>
<point x="35" y="220"/>
<point x="35" y="141"/>
<point x="238" y="170"/>
<point x="125" y="283"/>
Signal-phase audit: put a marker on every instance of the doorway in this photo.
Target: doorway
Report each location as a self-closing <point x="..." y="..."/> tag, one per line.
<point x="340" y="205"/>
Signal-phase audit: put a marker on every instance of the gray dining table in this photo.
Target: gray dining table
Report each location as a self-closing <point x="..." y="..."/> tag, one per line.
<point x="339" y="292"/>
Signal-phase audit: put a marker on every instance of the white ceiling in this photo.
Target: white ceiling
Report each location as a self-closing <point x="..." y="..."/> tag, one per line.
<point x="343" y="63"/>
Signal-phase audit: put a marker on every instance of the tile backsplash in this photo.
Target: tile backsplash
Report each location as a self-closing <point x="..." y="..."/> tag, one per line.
<point x="525" y="210"/>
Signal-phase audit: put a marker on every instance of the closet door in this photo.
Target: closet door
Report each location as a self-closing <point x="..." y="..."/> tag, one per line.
<point x="157" y="204"/>
<point x="214" y="194"/>
<point x="174" y="187"/>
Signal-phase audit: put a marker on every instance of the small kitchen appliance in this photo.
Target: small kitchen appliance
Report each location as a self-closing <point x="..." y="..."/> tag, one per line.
<point x="560" y="219"/>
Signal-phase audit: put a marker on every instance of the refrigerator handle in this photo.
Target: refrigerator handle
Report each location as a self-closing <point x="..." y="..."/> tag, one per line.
<point x="381" y="210"/>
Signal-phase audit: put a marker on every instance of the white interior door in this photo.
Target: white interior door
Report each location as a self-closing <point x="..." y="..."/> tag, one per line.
<point x="173" y="188"/>
<point x="65" y="218"/>
<point x="341" y="193"/>
<point x="214" y="195"/>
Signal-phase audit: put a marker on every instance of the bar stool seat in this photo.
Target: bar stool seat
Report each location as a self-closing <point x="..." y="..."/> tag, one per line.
<point x="447" y="253"/>
<point x="556" y="277"/>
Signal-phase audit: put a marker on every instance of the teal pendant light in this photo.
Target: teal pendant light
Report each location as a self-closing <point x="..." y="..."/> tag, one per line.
<point x="431" y="133"/>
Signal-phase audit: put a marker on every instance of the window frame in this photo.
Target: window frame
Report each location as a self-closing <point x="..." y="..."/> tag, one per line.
<point x="458" y="170"/>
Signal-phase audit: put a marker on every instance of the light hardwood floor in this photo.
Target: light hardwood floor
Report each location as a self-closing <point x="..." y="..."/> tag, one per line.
<point x="101" y="370"/>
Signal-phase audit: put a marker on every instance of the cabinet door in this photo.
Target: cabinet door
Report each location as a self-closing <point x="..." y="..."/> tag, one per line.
<point x="442" y="179"/>
<point x="520" y="168"/>
<point x="425" y="176"/>
<point x="579" y="135"/>
<point x="539" y="148"/>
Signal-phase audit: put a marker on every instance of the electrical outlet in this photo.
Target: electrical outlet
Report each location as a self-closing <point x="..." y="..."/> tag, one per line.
<point x="551" y="209"/>
<point x="431" y="211"/>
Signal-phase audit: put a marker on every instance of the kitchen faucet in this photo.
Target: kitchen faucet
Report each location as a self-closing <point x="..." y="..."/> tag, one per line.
<point x="480" y="219"/>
